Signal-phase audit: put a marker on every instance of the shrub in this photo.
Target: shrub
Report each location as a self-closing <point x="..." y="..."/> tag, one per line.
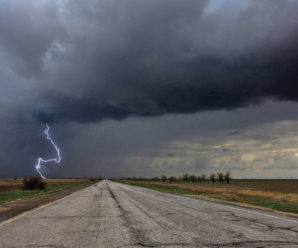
<point x="30" y="183"/>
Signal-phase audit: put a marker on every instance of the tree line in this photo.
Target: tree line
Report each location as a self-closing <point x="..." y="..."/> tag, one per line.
<point x="191" y="178"/>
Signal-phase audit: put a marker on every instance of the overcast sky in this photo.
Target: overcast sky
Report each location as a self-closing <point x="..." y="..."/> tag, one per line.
<point x="143" y="88"/>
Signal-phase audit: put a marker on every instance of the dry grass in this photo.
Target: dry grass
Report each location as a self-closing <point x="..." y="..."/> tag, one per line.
<point x="10" y="184"/>
<point x="230" y="193"/>
<point x="282" y="186"/>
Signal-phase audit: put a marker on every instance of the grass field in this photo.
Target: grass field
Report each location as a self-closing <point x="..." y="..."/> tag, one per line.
<point x="281" y="195"/>
<point x="11" y="189"/>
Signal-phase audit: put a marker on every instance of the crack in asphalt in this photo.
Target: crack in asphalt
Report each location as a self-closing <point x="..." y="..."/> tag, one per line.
<point x="139" y="235"/>
<point x="241" y="219"/>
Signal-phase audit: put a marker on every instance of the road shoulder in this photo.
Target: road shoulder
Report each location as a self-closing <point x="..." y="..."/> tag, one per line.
<point x="17" y="207"/>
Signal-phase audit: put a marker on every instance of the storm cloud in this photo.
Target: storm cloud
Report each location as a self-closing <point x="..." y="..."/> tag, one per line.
<point x="105" y="59"/>
<point x="83" y="63"/>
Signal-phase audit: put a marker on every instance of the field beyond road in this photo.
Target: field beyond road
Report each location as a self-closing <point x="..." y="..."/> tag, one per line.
<point x="279" y="195"/>
<point x="14" y="200"/>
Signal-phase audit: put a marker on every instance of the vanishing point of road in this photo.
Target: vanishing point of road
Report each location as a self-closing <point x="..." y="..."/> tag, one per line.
<point x="110" y="215"/>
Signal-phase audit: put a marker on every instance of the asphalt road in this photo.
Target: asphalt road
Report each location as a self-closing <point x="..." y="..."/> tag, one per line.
<point x="114" y="215"/>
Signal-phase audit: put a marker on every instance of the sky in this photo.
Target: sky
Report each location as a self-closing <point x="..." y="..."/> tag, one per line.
<point x="144" y="88"/>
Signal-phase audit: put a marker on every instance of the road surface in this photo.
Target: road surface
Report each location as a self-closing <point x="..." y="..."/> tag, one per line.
<point x="110" y="215"/>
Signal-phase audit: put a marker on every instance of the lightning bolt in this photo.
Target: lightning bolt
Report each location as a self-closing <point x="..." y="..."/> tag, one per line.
<point x="41" y="160"/>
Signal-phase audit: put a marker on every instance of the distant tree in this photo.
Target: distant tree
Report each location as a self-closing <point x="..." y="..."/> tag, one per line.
<point x="179" y="179"/>
<point x="220" y="177"/>
<point x="172" y="179"/>
<point x="164" y="178"/>
<point x="227" y="177"/>
<point x="203" y="177"/>
<point x="199" y="179"/>
<point x="185" y="177"/>
<point x="156" y="179"/>
<point x="192" y="178"/>
<point x="212" y="178"/>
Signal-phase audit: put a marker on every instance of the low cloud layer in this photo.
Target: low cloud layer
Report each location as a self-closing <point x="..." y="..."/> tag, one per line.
<point x="79" y="64"/>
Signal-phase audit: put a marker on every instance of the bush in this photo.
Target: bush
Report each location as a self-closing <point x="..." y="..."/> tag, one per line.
<point x="31" y="183"/>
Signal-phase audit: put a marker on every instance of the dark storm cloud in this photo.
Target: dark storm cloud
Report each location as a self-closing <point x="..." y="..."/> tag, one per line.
<point x="75" y="63"/>
<point x="27" y="31"/>
<point x="108" y="59"/>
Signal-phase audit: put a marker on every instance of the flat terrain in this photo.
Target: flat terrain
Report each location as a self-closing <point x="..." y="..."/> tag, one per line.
<point x="110" y="214"/>
<point x="14" y="200"/>
<point x="277" y="195"/>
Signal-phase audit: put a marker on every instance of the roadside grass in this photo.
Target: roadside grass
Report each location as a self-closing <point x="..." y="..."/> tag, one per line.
<point x="279" y="205"/>
<point x="11" y="190"/>
<point x="284" y="202"/>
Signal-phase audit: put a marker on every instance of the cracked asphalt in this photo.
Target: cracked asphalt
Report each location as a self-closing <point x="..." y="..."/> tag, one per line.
<point x="111" y="215"/>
